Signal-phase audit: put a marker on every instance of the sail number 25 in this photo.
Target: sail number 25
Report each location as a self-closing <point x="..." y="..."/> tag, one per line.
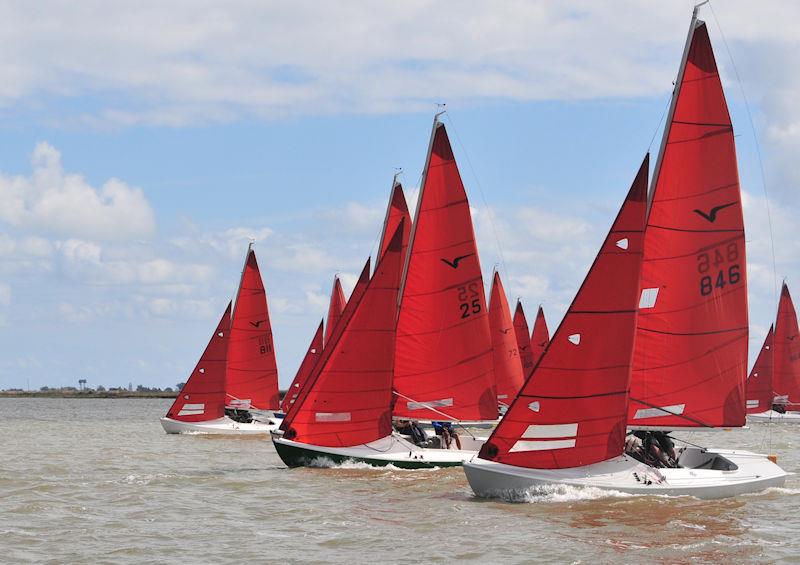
<point x="719" y="268"/>
<point x="469" y="300"/>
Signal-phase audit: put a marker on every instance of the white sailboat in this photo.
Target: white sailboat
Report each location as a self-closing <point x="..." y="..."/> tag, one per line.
<point x="664" y="352"/>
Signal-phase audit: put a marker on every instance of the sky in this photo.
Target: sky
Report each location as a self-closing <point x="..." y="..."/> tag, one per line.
<point x="144" y="144"/>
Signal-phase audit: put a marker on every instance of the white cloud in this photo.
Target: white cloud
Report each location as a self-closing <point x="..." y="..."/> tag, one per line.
<point x="5" y="294"/>
<point x="52" y="201"/>
<point x="307" y="57"/>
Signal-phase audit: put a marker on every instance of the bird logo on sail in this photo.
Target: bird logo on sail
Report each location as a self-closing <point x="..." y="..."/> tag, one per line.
<point x="454" y="263"/>
<point x="712" y="214"/>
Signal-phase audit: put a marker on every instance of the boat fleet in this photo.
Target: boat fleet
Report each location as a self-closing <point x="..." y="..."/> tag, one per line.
<point x="653" y="344"/>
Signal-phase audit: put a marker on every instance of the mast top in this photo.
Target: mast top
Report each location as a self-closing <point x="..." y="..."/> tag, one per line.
<point x="440" y="109"/>
<point x="698" y="6"/>
<point x="397" y="172"/>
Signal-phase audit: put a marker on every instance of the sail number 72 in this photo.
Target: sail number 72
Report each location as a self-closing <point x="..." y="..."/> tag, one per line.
<point x="717" y="270"/>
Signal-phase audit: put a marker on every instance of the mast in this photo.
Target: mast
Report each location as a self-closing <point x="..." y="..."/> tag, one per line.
<point x="672" y="104"/>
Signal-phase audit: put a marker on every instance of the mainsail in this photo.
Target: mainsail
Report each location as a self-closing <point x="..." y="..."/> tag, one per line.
<point x="786" y="369"/>
<point x="251" y="379"/>
<point x="507" y="366"/>
<point x="335" y="308"/>
<point x="202" y="398"/>
<point x="443" y="358"/>
<point x="309" y="360"/>
<point x="349" y="397"/>
<point x="759" y="383"/>
<point x="690" y="360"/>
<point x="540" y="336"/>
<point x="571" y="410"/>
<point x="523" y="340"/>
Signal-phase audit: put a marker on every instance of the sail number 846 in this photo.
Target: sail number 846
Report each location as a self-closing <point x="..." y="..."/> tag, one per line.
<point x="720" y="274"/>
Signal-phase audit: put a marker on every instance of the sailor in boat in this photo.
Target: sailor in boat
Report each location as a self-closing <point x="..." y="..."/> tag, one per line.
<point x="779" y="404"/>
<point x="655" y="449"/>
<point x="412" y="430"/>
<point x="447" y="433"/>
<point x="237" y="415"/>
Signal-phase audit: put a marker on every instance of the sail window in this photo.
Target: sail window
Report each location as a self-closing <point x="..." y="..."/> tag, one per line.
<point x="648" y="298"/>
<point x="623" y="243"/>
<point x="575" y="339"/>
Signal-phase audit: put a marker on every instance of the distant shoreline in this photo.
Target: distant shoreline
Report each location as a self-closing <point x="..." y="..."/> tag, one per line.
<point x="90" y="394"/>
<point x="85" y="394"/>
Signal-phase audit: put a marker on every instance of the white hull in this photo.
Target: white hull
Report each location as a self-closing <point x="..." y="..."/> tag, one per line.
<point x="703" y="476"/>
<point x="394" y="450"/>
<point x="220" y="426"/>
<point x="772" y="416"/>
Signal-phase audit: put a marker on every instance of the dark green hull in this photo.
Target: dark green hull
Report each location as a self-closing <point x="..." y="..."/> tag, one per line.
<point x="295" y="456"/>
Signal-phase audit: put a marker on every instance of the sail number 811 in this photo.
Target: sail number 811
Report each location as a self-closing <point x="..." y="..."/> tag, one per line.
<point x="719" y="272"/>
<point x="469" y="300"/>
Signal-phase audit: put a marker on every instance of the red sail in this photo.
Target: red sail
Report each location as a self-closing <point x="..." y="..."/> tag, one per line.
<point x="251" y="380"/>
<point x="202" y="398"/>
<point x="690" y="361"/>
<point x="335" y="307"/>
<point x="310" y="359"/>
<point x="396" y="212"/>
<point x="355" y="297"/>
<point x="759" y="383"/>
<point x="786" y="370"/>
<point x="443" y="359"/>
<point x="540" y="336"/>
<point x="523" y="340"/>
<point x="571" y="410"/>
<point x="507" y="366"/>
<point x="349" y="401"/>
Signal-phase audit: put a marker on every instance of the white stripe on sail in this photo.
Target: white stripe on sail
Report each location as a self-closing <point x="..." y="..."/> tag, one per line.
<point x="332" y="416"/>
<point x="542" y="445"/>
<point x="550" y="430"/>
<point x="660" y="411"/>
<point x="752" y="403"/>
<point x="192" y="409"/>
<point x="443" y="403"/>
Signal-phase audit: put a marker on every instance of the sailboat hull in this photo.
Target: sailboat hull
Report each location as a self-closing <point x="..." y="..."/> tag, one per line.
<point x="706" y="474"/>
<point x="391" y="450"/>
<point x="772" y="416"/>
<point x="220" y="426"/>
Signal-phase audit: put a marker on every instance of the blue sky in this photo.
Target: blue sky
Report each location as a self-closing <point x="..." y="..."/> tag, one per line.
<point x="140" y="149"/>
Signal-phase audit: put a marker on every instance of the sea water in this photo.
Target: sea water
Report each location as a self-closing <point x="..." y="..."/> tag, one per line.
<point x="98" y="481"/>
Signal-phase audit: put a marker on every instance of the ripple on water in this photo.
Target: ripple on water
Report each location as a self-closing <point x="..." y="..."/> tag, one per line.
<point x="99" y="481"/>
